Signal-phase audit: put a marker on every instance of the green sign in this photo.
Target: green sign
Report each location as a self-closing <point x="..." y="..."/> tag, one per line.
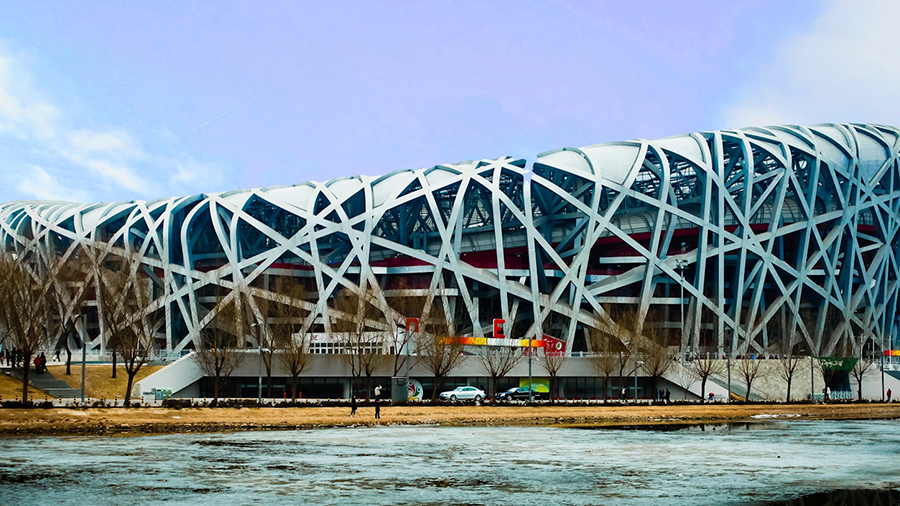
<point x="837" y="363"/>
<point x="541" y="385"/>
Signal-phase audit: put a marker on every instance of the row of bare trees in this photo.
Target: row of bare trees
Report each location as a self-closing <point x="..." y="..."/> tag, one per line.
<point x="645" y="345"/>
<point x="42" y="299"/>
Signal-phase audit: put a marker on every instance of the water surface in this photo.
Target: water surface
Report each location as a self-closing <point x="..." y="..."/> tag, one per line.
<point x="736" y="464"/>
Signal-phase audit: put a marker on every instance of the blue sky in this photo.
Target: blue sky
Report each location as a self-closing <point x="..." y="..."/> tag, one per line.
<point x="105" y="101"/>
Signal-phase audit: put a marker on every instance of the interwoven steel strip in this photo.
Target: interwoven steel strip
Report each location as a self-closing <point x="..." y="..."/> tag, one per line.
<point x="788" y="224"/>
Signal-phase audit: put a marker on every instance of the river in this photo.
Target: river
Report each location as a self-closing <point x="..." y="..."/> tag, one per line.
<point x="743" y="464"/>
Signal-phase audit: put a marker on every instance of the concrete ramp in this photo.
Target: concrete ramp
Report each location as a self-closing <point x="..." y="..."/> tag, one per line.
<point x="768" y="385"/>
<point x="176" y="376"/>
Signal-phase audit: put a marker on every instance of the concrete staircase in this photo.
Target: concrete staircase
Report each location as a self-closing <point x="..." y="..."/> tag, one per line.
<point x="48" y="384"/>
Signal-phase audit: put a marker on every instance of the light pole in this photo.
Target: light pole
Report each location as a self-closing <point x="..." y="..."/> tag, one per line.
<point x="882" y="366"/>
<point x="259" y="362"/>
<point x="812" y="379"/>
<point x="410" y="326"/>
<point x="636" y="365"/>
<point x="530" y="351"/>
<point x="83" y="357"/>
<point x="406" y="342"/>
<point x="728" y="366"/>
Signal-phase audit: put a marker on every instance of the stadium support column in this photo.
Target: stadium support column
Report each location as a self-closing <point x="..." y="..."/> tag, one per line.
<point x="681" y="305"/>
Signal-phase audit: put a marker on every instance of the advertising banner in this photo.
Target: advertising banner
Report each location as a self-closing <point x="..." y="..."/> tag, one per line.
<point x="541" y="385"/>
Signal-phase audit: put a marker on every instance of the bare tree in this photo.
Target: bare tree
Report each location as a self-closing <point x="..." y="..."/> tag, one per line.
<point x="288" y="335"/>
<point x="71" y="288"/>
<point x="131" y="320"/>
<point x="261" y="329"/>
<point x="627" y="319"/>
<point x="439" y="352"/>
<point x="686" y="377"/>
<point x="553" y="362"/>
<point x="704" y="366"/>
<point x="408" y="302"/>
<point x="222" y="341"/>
<point x="363" y="345"/>
<point x="28" y="308"/>
<point x="786" y="343"/>
<point x="102" y="262"/>
<point x="497" y="362"/>
<point x="657" y="355"/>
<point x="608" y="355"/>
<point x="862" y="362"/>
<point x="749" y="368"/>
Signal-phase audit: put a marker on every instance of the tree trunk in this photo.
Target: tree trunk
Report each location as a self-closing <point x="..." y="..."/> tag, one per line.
<point x="26" y="368"/>
<point x="114" y="356"/>
<point x="269" y="384"/>
<point x="68" y="360"/>
<point x="215" y="389"/>
<point x="128" y="388"/>
<point x="294" y="389"/>
<point x="702" y="389"/>
<point x="788" y="390"/>
<point x="749" y="383"/>
<point x="438" y="385"/>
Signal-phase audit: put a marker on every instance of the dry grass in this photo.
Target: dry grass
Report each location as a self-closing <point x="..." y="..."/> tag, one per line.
<point x="98" y="381"/>
<point x="11" y="389"/>
<point x="165" y="420"/>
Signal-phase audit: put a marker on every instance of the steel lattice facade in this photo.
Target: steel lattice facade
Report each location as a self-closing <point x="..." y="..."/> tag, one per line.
<point x="789" y="224"/>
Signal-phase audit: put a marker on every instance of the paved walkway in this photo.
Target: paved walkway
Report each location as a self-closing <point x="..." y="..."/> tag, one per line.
<point x="48" y="384"/>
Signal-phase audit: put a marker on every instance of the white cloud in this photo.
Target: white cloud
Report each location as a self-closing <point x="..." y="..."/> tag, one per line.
<point x="110" y="159"/>
<point x="844" y="68"/>
<point x="40" y="185"/>
<point x="23" y="114"/>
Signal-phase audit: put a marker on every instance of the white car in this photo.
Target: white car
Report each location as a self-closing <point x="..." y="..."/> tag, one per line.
<point x="463" y="393"/>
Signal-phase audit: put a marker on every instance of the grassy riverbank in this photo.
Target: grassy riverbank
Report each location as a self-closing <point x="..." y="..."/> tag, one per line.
<point x="135" y="421"/>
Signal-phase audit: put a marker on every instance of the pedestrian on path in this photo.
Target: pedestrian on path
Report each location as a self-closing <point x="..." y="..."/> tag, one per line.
<point x="889" y="395"/>
<point x="377" y="409"/>
<point x="352" y="405"/>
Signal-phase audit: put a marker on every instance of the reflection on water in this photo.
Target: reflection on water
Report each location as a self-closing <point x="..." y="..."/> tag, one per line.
<point x="722" y="464"/>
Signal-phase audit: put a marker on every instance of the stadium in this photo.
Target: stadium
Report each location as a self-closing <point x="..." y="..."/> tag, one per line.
<point x="750" y="242"/>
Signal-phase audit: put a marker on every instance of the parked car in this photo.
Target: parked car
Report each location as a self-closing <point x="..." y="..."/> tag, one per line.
<point x="463" y="393"/>
<point x="517" y="393"/>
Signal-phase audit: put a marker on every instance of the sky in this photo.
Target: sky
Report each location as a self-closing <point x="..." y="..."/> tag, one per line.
<point x="111" y="101"/>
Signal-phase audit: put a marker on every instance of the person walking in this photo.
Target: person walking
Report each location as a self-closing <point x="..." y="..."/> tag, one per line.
<point x="622" y="394"/>
<point x="43" y="363"/>
<point x="889" y="395"/>
<point x="377" y="409"/>
<point x="378" y="392"/>
<point x="668" y="396"/>
<point x="353" y="405"/>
